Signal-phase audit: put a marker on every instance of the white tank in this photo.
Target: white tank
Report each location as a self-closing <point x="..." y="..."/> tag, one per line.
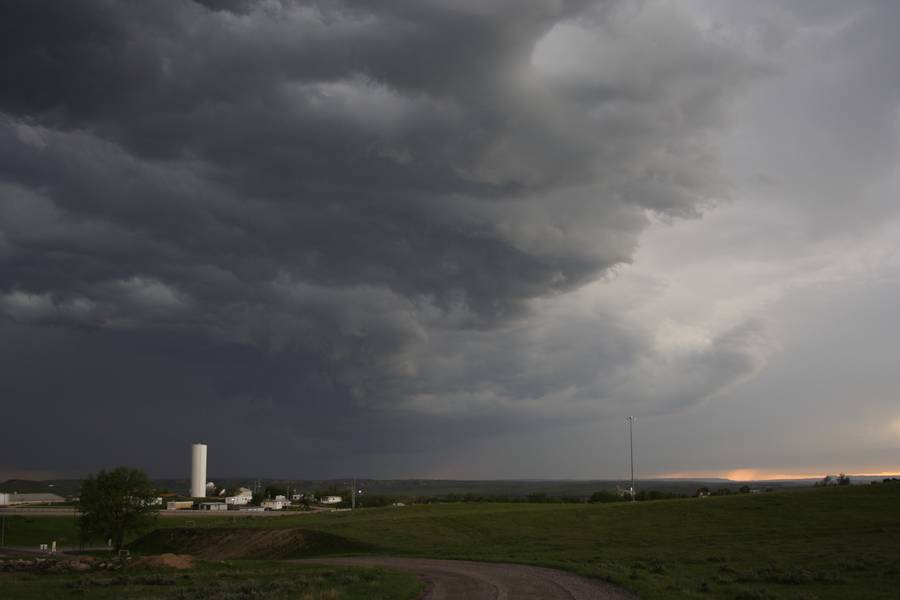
<point x="198" y="471"/>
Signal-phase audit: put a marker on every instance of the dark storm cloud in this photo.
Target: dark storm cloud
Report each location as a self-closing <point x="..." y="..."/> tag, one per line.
<point x="355" y="208"/>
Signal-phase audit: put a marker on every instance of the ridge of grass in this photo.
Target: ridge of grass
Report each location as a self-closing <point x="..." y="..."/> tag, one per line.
<point x="813" y="544"/>
<point x="831" y="543"/>
<point x="231" y="580"/>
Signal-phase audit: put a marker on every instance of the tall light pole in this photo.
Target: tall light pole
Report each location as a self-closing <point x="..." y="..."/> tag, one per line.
<point x="630" y="420"/>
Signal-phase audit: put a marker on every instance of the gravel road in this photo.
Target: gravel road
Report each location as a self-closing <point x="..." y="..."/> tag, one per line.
<point x="465" y="580"/>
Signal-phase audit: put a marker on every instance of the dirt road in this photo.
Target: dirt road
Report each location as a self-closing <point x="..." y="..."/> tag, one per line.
<point x="465" y="580"/>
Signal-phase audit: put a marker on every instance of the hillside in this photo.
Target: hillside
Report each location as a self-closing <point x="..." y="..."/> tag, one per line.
<point x="813" y="543"/>
<point x="409" y="489"/>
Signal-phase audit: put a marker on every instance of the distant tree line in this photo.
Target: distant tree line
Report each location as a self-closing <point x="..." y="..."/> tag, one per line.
<point x="831" y="480"/>
<point x="532" y="498"/>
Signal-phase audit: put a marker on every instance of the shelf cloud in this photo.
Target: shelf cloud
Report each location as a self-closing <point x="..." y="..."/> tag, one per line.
<point x="359" y="227"/>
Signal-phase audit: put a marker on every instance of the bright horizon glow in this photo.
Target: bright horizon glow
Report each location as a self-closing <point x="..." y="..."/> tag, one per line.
<point x="770" y="474"/>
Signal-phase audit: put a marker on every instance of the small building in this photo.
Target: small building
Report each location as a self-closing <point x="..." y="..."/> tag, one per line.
<point x="331" y="500"/>
<point x="179" y="505"/>
<point x="243" y="497"/>
<point x="213" y="506"/>
<point x="273" y="504"/>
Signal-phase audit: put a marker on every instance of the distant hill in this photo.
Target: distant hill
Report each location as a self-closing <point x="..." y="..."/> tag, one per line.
<point x="63" y="487"/>
<point x="512" y="489"/>
<point x="422" y="488"/>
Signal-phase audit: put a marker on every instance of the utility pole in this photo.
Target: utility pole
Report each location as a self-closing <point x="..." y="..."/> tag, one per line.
<point x="353" y="496"/>
<point x="630" y="420"/>
<point x="2" y="531"/>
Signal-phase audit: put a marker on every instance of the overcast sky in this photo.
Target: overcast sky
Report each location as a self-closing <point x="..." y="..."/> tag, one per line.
<point x="450" y="238"/>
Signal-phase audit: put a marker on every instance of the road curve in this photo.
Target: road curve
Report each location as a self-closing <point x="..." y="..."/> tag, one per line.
<point x="467" y="580"/>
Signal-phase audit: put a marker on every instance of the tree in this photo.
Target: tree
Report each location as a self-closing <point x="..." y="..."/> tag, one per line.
<point x="825" y="481"/>
<point x="114" y="502"/>
<point x="274" y="490"/>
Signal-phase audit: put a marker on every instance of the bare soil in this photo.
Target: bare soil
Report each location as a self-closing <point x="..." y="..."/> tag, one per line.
<point x="165" y="561"/>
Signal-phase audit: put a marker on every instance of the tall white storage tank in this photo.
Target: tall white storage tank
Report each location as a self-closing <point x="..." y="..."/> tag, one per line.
<point x="198" y="471"/>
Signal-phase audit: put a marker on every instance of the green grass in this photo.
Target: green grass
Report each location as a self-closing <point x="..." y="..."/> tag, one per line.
<point x="36" y="530"/>
<point x="826" y="543"/>
<point x="813" y="544"/>
<point x="237" y="580"/>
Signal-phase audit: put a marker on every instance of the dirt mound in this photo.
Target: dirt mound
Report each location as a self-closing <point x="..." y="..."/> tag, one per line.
<point x="224" y="543"/>
<point x="165" y="561"/>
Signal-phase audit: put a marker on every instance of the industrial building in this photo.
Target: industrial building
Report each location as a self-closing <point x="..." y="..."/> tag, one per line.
<point x="14" y="499"/>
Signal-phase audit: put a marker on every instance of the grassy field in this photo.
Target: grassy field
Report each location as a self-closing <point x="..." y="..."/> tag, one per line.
<point x="810" y="544"/>
<point x="32" y="531"/>
<point x="214" y="581"/>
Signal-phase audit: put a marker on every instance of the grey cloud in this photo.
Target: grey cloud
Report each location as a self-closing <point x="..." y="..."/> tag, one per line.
<point x="357" y="205"/>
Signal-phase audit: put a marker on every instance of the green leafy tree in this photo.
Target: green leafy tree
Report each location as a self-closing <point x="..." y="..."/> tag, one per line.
<point x="115" y="502"/>
<point x="825" y="481"/>
<point x="275" y="490"/>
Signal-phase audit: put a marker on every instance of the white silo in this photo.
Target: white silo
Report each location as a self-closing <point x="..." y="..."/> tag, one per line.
<point x="198" y="471"/>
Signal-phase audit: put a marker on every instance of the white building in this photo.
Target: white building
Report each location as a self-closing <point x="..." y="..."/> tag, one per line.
<point x="9" y="499"/>
<point x="217" y="506"/>
<point x="331" y="500"/>
<point x="273" y="504"/>
<point x="179" y="505"/>
<point x="243" y="497"/>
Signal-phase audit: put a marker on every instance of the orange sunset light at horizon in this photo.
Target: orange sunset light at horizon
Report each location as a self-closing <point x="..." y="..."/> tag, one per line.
<point x="749" y="474"/>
